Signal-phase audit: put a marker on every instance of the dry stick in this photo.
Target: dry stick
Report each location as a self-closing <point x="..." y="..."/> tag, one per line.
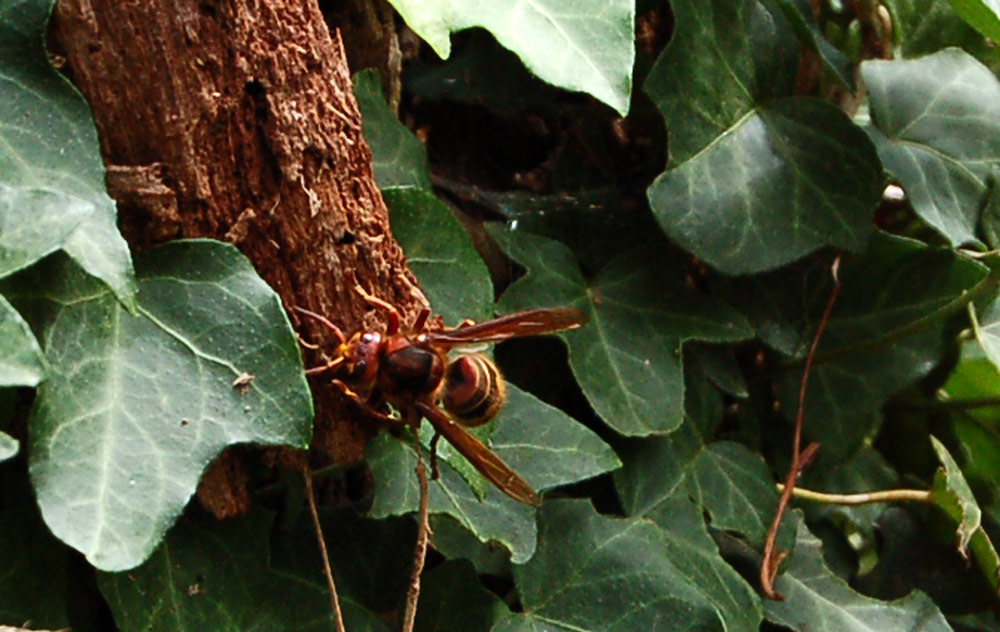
<point x="773" y="556"/>
<point x="423" y="531"/>
<point x="335" y="602"/>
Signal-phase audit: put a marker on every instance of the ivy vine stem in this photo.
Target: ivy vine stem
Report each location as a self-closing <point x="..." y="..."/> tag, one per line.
<point x="423" y="533"/>
<point x="800" y="458"/>
<point x="327" y="571"/>
<point x="864" y="498"/>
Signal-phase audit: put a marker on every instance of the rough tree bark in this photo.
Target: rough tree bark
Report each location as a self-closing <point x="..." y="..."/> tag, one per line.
<point x="236" y="120"/>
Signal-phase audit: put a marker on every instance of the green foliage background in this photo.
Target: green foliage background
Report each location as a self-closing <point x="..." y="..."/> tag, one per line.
<point x="696" y="233"/>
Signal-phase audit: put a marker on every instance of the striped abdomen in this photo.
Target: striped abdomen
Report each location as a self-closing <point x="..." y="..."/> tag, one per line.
<point x="474" y="390"/>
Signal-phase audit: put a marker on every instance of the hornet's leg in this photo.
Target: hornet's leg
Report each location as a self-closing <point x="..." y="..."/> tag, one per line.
<point x="435" y="473"/>
<point x="392" y="327"/>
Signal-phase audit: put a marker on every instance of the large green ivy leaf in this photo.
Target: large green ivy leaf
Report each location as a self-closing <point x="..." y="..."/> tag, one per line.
<point x="135" y="407"/>
<point x="21" y="359"/>
<point x="627" y="357"/>
<point x="884" y="332"/>
<point x="398" y="158"/>
<point x="586" y="563"/>
<point x="982" y="14"/>
<point x="757" y="178"/>
<point x="731" y="483"/>
<point x="817" y="599"/>
<point x="34" y="581"/>
<point x="440" y="254"/>
<point x="211" y="575"/>
<point x="940" y="139"/>
<point x="48" y="144"/>
<point x="583" y="46"/>
<point x="539" y="442"/>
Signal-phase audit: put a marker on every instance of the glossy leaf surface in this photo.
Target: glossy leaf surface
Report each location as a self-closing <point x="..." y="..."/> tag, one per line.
<point x="627" y="357"/>
<point x="224" y="576"/>
<point x="398" y="158"/>
<point x="951" y="492"/>
<point x="539" y="442"/>
<point x="670" y="575"/>
<point x="21" y="360"/>
<point x="50" y="160"/>
<point x="135" y="407"/>
<point x="756" y="178"/>
<point x="939" y="139"/>
<point x="817" y="597"/>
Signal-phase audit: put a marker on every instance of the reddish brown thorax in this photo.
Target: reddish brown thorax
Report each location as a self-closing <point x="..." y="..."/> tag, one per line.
<point x="411" y="367"/>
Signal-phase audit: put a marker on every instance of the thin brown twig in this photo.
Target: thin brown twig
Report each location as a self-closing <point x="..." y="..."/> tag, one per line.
<point x="334" y="600"/>
<point x="772" y="555"/>
<point x="419" y="555"/>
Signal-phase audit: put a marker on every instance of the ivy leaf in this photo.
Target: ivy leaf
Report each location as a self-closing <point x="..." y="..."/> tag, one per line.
<point x="35" y="223"/>
<point x="454" y="541"/>
<point x="438" y="250"/>
<point x="799" y="14"/>
<point x="922" y="27"/>
<point x="583" y="559"/>
<point x="440" y="254"/>
<point x="986" y="326"/>
<point x="494" y="517"/>
<point x="627" y="357"/>
<point x="220" y="575"/>
<point x="398" y="158"/>
<point x="816" y="598"/>
<point x="371" y="560"/>
<point x="539" y="442"/>
<point x="982" y="14"/>
<point x="35" y="584"/>
<point x="135" y="407"/>
<point x="21" y="360"/>
<point x="50" y="159"/>
<point x="729" y="481"/>
<point x="975" y="379"/>
<point x="952" y="494"/>
<point x="884" y="332"/>
<point x="940" y="139"/>
<point x="585" y="46"/>
<point x="451" y="598"/>
<point x="757" y="177"/>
